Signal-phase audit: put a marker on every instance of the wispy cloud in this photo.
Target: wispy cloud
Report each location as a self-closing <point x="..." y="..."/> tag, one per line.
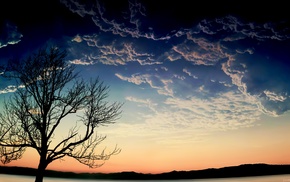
<point x="156" y="82"/>
<point x="10" y="88"/>
<point x="136" y="78"/>
<point x="81" y="62"/>
<point x="228" y="111"/>
<point x="126" y="23"/>
<point x="193" y="117"/>
<point x="115" y="52"/>
<point x="10" y="35"/>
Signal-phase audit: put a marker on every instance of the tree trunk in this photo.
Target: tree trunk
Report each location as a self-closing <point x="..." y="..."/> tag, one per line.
<point x="41" y="169"/>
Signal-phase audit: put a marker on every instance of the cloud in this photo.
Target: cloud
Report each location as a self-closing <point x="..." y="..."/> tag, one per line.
<point x="263" y="31"/>
<point x="161" y="85"/>
<point x="189" y="73"/>
<point x="262" y="77"/>
<point x="79" y="8"/>
<point x="9" y="89"/>
<point x="81" y="62"/>
<point x="125" y="22"/>
<point x="275" y="97"/>
<point x="77" y="38"/>
<point x="136" y="79"/>
<point x="9" y="35"/>
<point x="142" y="102"/>
<point x="253" y="55"/>
<point x="214" y="56"/>
<point x="114" y="52"/>
<point x="230" y="111"/>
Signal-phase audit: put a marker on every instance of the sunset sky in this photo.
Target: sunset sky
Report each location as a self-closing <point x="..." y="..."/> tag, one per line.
<point x="204" y="85"/>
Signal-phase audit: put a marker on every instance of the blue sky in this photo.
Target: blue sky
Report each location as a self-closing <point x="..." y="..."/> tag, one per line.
<point x="187" y="72"/>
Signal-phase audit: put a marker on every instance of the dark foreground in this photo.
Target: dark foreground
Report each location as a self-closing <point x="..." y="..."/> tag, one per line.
<point x="232" y="171"/>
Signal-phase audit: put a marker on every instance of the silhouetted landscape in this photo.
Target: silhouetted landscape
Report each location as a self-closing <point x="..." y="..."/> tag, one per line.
<point x="243" y="170"/>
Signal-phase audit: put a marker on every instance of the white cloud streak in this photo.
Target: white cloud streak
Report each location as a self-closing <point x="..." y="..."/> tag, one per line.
<point x="10" y="35"/>
<point x="10" y="89"/>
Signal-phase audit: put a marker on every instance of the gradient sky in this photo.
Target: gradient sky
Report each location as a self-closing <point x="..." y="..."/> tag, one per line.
<point x="204" y="84"/>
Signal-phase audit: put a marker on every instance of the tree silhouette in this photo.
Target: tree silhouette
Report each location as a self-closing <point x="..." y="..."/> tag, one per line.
<point x="49" y="90"/>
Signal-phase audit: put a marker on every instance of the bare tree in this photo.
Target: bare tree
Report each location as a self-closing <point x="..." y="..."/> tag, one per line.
<point x="48" y="91"/>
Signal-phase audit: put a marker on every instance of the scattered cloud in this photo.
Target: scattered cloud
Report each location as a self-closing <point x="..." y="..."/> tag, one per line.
<point x="204" y="73"/>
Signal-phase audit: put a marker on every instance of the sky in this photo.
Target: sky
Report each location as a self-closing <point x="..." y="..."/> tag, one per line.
<point x="204" y="84"/>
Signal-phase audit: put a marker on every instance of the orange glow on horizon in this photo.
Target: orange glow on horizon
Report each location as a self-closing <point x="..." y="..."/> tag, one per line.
<point x="201" y="160"/>
<point x="267" y="144"/>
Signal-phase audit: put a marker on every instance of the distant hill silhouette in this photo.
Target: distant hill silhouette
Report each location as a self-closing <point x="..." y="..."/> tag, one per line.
<point x="231" y="171"/>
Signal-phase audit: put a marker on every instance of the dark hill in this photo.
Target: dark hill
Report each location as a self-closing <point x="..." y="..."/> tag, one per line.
<point x="231" y="171"/>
